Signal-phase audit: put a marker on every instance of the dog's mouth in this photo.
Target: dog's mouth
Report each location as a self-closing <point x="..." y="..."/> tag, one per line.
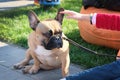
<point x="53" y="42"/>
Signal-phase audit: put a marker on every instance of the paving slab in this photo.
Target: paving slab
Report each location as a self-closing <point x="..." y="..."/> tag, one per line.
<point x="13" y="4"/>
<point x="11" y="54"/>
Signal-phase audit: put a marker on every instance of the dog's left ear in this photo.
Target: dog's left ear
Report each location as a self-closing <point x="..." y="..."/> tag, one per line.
<point x="59" y="17"/>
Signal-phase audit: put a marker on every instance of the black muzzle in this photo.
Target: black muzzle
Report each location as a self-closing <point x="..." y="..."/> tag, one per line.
<point x="54" y="42"/>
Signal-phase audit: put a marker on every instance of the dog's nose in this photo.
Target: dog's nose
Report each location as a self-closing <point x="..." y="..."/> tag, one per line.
<point x="54" y="42"/>
<point x="59" y="42"/>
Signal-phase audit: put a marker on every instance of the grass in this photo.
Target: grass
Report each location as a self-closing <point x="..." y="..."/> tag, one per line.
<point x="14" y="28"/>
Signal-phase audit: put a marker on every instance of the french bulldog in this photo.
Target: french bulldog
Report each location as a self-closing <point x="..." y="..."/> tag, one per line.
<point x="47" y="47"/>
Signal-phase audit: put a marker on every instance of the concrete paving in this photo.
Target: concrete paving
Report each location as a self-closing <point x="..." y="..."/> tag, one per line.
<point x="11" y="54"/>
<point x="12" y="4"/>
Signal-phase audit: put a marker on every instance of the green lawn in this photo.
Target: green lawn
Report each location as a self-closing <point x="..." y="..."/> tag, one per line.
<point x="14" y="28"/>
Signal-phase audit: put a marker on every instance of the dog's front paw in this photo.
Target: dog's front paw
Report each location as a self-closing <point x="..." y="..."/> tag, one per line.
<point x="21" y="64"/>
<point x="18" y="66"/>
<point x="34" y="70"/>
<point x="31" y="69"/>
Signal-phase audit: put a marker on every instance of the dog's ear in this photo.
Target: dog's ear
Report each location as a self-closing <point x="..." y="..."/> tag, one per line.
<point x="59" y="17"/>
<point x="33" y="20"/>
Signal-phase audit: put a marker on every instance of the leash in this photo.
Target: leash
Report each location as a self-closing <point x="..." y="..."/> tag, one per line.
<point x="86" y="49"/>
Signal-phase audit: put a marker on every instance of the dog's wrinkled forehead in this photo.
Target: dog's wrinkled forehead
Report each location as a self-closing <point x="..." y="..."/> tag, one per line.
<point x="47" y="25"/>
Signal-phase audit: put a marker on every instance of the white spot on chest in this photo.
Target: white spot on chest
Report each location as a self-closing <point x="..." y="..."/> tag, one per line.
<point x="46" y="57"/>
<point x="40" y="50"/>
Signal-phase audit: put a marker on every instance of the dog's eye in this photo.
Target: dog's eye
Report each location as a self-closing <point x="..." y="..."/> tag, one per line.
<point x="60" y="32"/>
<point x="50" y="32"/>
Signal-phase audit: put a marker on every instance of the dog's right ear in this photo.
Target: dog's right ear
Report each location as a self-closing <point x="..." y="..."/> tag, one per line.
<point x="33" y="20"/>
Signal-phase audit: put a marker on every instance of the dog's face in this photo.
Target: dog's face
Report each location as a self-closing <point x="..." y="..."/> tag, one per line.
<point x="48" y="32"/>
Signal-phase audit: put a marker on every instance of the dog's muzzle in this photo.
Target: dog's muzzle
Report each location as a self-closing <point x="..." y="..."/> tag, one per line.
<point x="54" y="42"/>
